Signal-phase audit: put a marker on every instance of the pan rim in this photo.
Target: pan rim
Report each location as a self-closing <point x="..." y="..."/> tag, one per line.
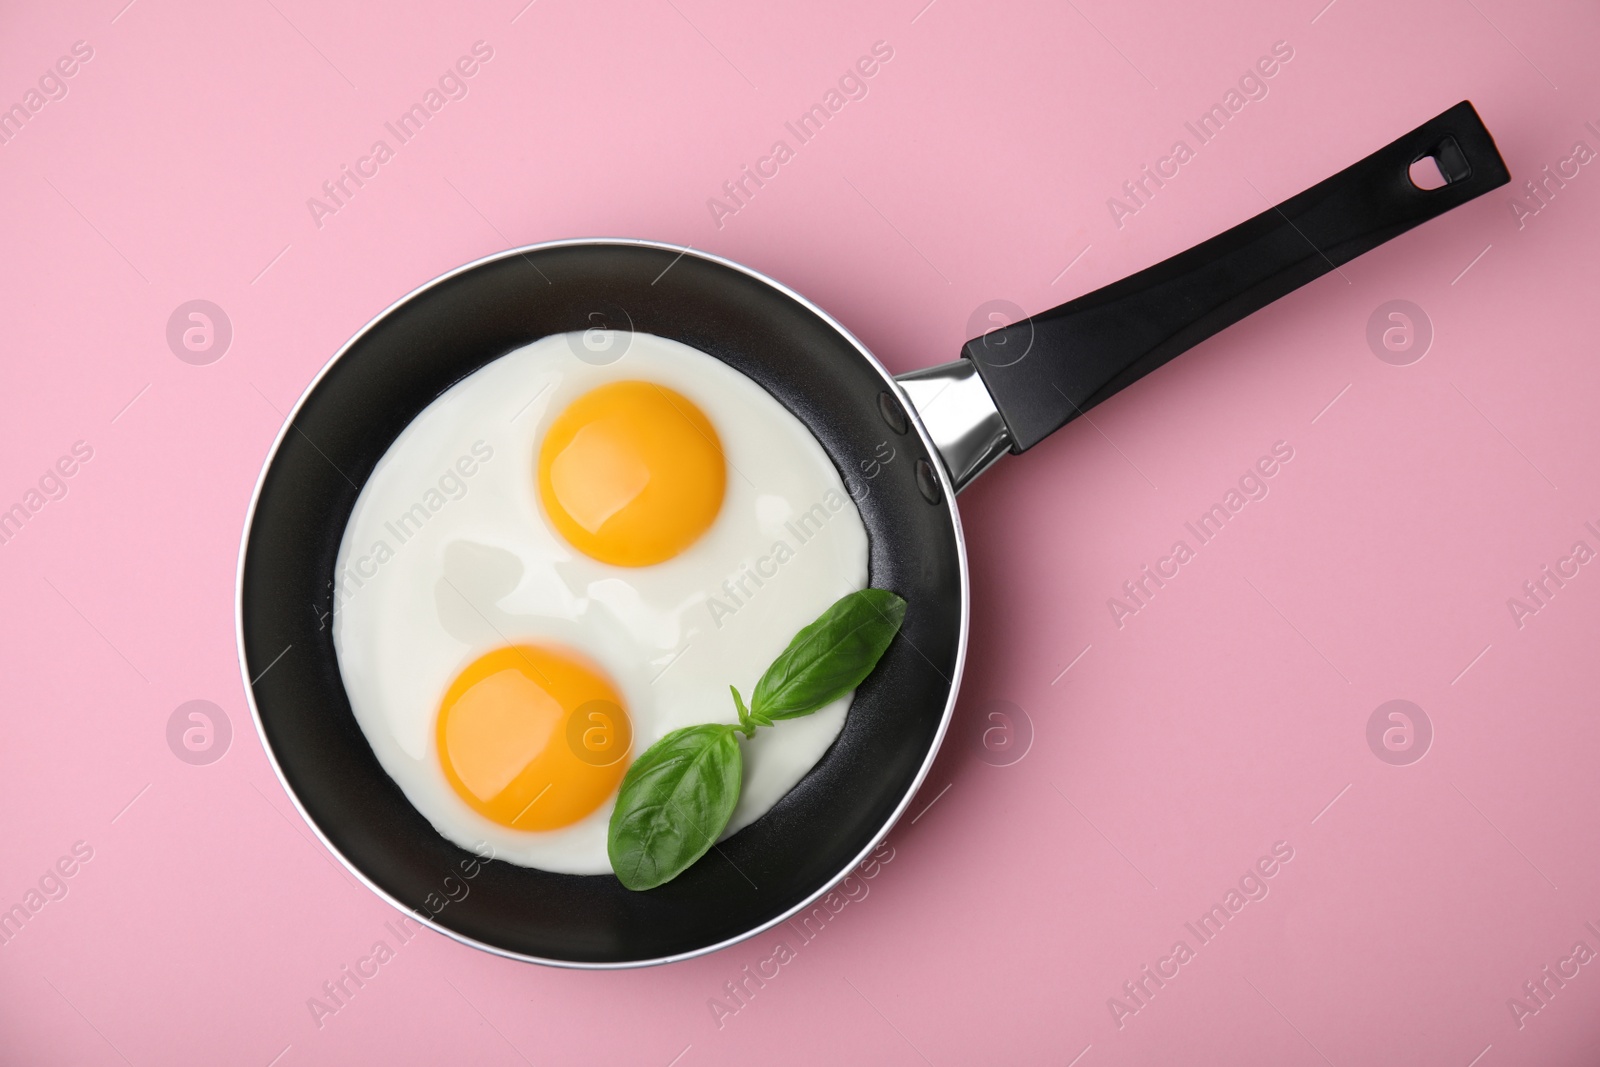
<point x="946" y="487"/>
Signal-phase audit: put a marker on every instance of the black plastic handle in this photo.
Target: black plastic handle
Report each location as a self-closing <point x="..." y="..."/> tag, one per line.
<point x="1082" y="352"/>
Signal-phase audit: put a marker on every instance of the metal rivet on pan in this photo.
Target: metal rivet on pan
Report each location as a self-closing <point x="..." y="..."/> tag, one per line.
<point x="892" y="413"/>
<point x="928" y="482"/>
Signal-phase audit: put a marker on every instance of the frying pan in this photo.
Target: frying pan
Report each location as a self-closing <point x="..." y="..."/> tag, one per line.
<point x="944" y="425"/>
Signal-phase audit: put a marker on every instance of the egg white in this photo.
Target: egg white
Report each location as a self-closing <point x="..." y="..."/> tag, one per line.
<point x="475" y="565"/>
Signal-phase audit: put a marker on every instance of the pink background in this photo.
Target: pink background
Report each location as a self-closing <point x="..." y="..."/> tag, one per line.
<point x="1223" y="717"/>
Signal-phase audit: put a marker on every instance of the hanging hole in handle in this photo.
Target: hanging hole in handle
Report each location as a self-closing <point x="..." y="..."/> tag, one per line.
<point x="1444" y="165"/>
<point x="1426" y="175"/>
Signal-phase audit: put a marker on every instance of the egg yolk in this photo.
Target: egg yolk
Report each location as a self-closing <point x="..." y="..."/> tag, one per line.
<point x="533" y="737"/>
<point x="631" y="473"/>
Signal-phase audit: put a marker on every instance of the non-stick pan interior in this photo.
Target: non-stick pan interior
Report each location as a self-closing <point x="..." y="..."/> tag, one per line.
<point x="392" y="371"/>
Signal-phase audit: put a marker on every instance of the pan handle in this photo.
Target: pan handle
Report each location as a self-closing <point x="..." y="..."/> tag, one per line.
<point x="1082" y="352"/>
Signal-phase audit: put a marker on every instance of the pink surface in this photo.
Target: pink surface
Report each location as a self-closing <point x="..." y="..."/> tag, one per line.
<point x="1169" y="754"/>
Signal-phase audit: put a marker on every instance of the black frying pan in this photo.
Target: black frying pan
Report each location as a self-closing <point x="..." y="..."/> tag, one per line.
<point x="1010" y="389"/>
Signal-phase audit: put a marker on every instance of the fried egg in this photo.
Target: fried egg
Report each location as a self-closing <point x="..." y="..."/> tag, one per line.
<point x="565" y="557"/>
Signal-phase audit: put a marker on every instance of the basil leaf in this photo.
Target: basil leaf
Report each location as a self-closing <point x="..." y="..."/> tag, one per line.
<point x="830" y="657"/>
<point x="674" y="803"/>
<point x="678" y="796"/>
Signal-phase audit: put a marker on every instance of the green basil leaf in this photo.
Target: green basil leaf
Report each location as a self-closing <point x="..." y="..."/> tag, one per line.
<point x="830" y="657"/>
<point x="674" y="803"/>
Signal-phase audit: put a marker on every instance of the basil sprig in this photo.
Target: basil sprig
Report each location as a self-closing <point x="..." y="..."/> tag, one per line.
<point x="678" y="796"/>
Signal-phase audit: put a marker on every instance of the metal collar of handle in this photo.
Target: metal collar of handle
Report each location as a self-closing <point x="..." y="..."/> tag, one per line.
<point x="960" y="416"/>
